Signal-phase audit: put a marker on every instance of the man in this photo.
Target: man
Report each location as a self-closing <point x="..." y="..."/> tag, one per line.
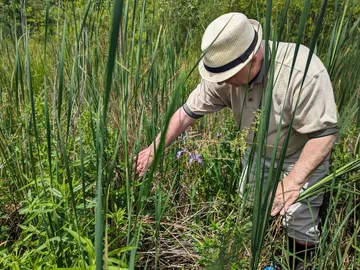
<point x="233" y="75"/>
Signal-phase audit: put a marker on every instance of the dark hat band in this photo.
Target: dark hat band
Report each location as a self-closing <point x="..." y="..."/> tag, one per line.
<point x="237" y="61"/>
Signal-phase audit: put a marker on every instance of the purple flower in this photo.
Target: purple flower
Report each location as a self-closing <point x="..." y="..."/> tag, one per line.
<point x="196" y="158"/>
<point x="179" y="153"/>
<point x="218" y="135"/>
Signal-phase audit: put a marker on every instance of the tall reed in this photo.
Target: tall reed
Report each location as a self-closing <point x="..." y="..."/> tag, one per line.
<point x="81" y="97"/>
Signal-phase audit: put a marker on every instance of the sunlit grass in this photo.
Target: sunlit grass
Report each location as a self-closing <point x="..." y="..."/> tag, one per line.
<point x="81" y="99"/>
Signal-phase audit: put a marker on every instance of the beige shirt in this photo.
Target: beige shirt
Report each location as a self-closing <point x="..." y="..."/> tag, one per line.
<point x="315" y="115"/>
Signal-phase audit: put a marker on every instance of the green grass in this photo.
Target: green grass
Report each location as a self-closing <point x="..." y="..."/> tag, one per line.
<point x="84" y="92"/>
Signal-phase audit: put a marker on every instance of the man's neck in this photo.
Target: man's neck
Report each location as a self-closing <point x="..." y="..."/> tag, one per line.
<point x="258" y="73"/>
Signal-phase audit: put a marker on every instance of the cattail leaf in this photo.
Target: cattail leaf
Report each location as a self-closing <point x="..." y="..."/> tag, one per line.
<point x="101" y="134"/>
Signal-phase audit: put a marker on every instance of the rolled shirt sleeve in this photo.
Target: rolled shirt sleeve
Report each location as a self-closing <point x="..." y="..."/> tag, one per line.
<point x="203" y="100"/>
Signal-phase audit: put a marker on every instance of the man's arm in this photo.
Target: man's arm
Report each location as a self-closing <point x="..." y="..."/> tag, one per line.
<point x="313" y="153"/>
<point x="179" y="122"/>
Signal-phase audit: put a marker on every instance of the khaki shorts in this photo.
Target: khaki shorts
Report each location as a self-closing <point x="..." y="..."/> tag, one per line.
<point x="302" y="218"/>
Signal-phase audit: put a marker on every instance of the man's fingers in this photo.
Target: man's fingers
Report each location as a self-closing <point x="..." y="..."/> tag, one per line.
<point x="284" y="198"/>
<point x="285" y="208"/>
<point x="282" y="207"/>
<point x="275" y="211"/>
<point x="142" y="166"/>
<point x="142" y="161"/>
<point x="140" y="169"/>
<point x="289" y="203"/>
<point x="277" y="206"/>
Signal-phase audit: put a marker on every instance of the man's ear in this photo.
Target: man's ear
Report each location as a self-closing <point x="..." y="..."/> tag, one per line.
<point x="256" y="58"/>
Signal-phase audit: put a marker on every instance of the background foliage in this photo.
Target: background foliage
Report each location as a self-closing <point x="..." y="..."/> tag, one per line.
<point x="70" y="128"/>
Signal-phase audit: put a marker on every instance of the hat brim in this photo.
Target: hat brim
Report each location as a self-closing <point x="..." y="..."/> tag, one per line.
<point x="223" y="76"/>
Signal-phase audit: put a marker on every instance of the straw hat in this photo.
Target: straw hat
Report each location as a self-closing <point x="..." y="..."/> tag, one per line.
<point x="228" y="44"/>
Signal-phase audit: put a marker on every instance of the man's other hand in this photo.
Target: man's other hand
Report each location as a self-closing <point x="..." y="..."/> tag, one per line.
<point x="286" y="194"/>
<point x="143" y="161"/>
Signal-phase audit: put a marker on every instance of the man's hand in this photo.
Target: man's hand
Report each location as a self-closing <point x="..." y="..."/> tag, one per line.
<point x="286" y="194"/>
<point x="313" y="153"/>
<point x="179" y="122"/>
<point x="144" y="160"/>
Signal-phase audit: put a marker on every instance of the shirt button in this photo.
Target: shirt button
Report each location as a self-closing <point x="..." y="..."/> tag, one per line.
<point x="250" y="99"/>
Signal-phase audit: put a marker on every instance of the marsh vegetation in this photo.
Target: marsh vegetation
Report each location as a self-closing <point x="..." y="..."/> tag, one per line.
<point x="84" y="85"/>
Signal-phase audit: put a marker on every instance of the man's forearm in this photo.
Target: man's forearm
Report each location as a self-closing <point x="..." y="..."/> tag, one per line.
<point x="179" y="122"/>
<point x="312" y="155"/>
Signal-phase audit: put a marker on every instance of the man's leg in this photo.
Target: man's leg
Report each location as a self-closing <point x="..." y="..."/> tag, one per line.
<point x="247" y="178"/>
<point x="302" y="219"/>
